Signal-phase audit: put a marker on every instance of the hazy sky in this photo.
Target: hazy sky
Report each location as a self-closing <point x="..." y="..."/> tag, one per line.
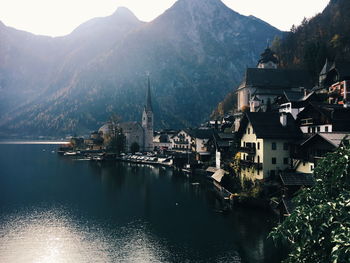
<point x="60" y="17"/>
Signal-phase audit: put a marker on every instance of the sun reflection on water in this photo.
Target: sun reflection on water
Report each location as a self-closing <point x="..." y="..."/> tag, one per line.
<point x="53" y="237"/>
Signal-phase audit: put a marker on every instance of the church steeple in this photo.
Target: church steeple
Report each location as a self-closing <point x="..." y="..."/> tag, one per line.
<point x="148" y="97"/>
<point x="147" y="121"/>
<point x="268" y="59"/>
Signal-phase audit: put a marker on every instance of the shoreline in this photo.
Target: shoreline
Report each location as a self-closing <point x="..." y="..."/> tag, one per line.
<point x="34" y="142"/>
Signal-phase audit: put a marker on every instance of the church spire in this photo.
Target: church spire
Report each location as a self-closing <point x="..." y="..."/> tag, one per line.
<point x="148" y="96"/>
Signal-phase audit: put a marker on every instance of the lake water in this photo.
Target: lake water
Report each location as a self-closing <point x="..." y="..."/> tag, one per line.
<point x="55" y="209"/>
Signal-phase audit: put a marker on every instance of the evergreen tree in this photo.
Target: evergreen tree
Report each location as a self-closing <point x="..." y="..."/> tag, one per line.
<point x="117" y="141"/>
<point x="134" y="147"/>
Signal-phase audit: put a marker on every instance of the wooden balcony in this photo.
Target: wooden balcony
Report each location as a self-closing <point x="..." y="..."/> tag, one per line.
<point x="249" y="164"/>
<point x="249" y="150"/>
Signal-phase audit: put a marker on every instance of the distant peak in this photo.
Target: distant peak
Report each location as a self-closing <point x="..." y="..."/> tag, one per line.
<point x="206" y="5"/>
<point x="202" y="1"/>
<point x="124" y="13"/>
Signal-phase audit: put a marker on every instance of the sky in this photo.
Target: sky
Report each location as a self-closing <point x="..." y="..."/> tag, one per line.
<point x="60" y="17"/>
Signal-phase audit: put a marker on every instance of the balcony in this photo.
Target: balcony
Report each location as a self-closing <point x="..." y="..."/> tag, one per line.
<point x="249" y="164"/>
<point x="249" y="150"/>
<point x="181" y="142"/>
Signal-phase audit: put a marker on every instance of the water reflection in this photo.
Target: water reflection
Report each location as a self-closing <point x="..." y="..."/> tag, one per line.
<point x="53" y="236"/>
<point x="55" y="209"/>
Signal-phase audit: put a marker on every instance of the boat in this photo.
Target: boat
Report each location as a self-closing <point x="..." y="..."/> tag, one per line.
<point x="70" y="153"/>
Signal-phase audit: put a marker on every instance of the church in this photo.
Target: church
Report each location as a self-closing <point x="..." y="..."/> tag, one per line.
<point x="135" y="132"/>
<point x="262" y="84"/>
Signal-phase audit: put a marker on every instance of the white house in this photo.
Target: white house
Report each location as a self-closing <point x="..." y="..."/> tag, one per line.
<point x="265" y="139"/>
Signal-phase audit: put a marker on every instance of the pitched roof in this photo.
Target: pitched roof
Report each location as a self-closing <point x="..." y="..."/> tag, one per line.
<point x="342" y="68"/>
<point x="128" y="126"/>
<point x="297" y="179"/>
<point x="226" y="136"/>
<point x="218" y="175"/>
<point x="288" y="205"/>
<point x="326" y="67"/>
<point x="336" y="113"/>
<point x="277" y="78"/>
<point x="201" y="133"/>
<point x="334" y="138"/>
<point x="267" y="125"/>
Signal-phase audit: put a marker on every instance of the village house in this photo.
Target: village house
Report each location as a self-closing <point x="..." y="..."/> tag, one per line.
<point x="312" y="149"/>
<point x="335" y="80"/>
<point x="181" y="141"/>
<point x="94" y="142"/>
<point x="321" y="117"/>
<point x="223" y="142"/>
<point x="200" y="143"/>
<point x="162" y="139"/>
<point x="295" y="103"/>
<point x="265" y="139"/>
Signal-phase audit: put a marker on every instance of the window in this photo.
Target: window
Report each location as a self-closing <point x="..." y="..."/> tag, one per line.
<point x="318" y="129"/>
<point x="311" y="167"/>
<point x="273" y="160"/>
<point x="285" y="161"/>
<point x="326" y="129"/>
<point x="273" y="146"/>
<point x="309" y="130"/>
<point x="258" y="145"/>
<point x="285" y="146"/>
<point x="248" y="130"/>
<point x="258" y="159"/>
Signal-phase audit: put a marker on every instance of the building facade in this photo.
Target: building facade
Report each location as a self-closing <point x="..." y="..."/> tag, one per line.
<point x="265" y="139"/>
<point x="181" y="141"/>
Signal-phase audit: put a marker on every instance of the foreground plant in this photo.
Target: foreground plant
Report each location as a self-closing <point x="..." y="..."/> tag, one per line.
<point x="318" y="230"/>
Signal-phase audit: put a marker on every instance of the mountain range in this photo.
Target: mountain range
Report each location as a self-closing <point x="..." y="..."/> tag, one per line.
<point x="195" y="53"/>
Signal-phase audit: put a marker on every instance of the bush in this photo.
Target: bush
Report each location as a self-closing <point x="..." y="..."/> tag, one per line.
<point x="318" y="230"/>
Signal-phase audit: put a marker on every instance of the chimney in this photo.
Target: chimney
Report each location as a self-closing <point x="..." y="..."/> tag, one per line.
<point x="283" y="119"/>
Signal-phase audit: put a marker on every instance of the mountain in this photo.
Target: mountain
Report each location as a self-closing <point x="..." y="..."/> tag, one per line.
<point x="326" y="35"/>
<point x="195" y="52"/>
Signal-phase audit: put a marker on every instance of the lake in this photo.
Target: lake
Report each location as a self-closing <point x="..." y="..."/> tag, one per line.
<point x="57" y="209"/>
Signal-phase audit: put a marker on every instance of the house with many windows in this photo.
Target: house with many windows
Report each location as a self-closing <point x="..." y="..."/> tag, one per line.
<point x="265" y="139"/>
<point x="320" y="117"/>
<point x="315" y="147"/>
<point x="181" y="141"/>
<point x="200" y="139"/>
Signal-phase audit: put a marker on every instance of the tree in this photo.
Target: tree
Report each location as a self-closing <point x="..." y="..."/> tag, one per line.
<point x="117" y="142"/>
<point x="134" y="147"/>
<point x="318" y="230"/>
